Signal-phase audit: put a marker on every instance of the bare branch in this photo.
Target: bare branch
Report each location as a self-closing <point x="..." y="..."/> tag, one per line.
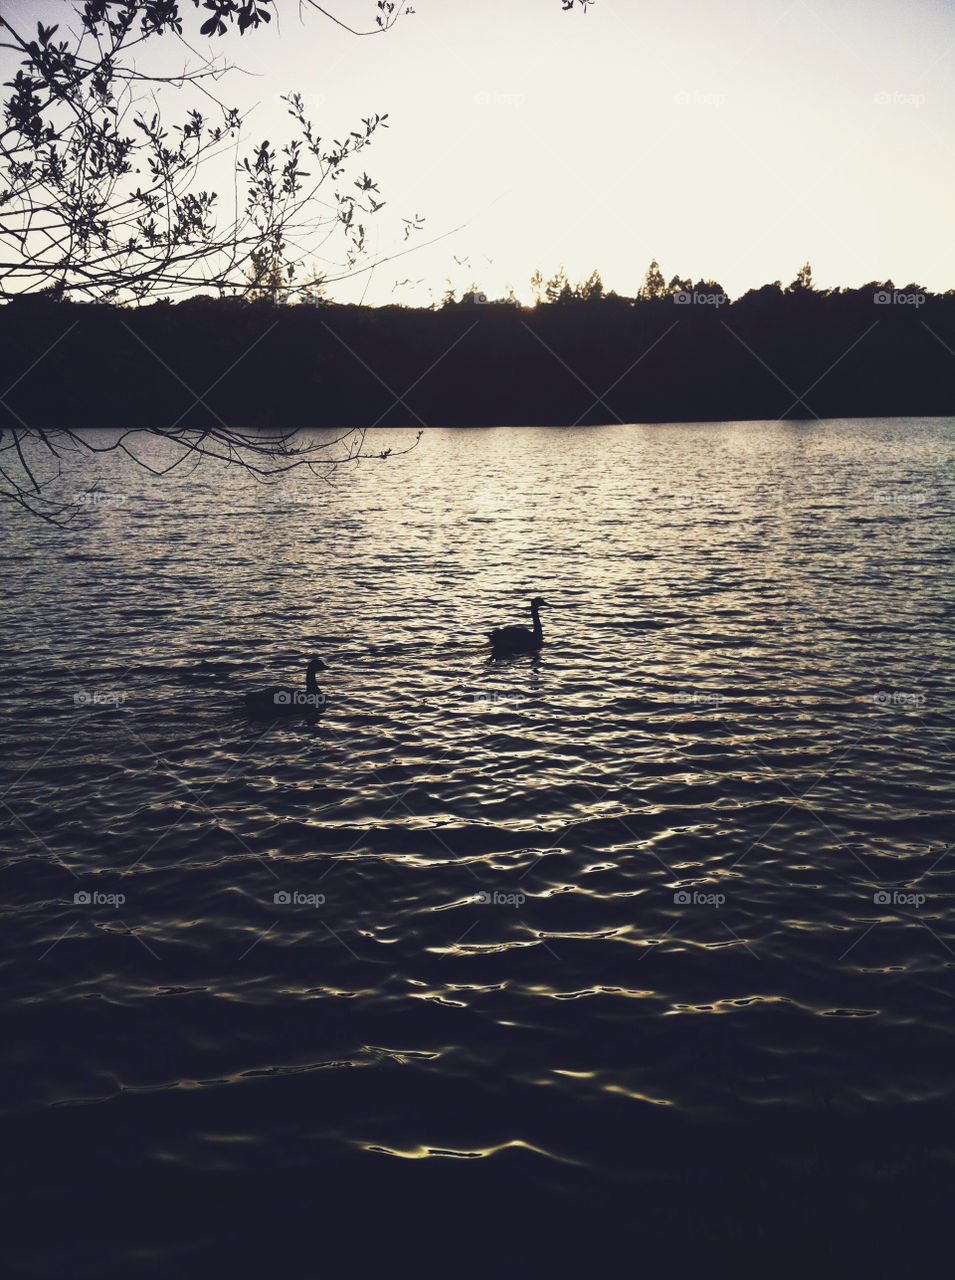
<point x="265" y="456"/>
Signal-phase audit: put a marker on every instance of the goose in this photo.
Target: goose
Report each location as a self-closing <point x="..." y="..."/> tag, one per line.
<point x="506" y="641"/>
<point x="282" y="701"/>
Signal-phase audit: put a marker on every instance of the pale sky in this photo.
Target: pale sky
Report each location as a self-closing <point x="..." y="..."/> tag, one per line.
<point x="730" y="141"/>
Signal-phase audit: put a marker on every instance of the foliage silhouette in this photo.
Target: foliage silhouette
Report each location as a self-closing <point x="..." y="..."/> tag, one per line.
<point x="219" y="373"/>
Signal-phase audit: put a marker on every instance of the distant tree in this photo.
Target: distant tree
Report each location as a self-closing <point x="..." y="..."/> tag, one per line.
<point x="473" y="294"/>
<point x="537" y="286"/>
<point x="313" y="286"/>
<point x="677" y="285"/>
<point x="654" y="286"/>
<point x="267" y="280"/>
<point x="763" y="296"/>
<point x="803" y="281"/>
<point x="591" y="289"/>
<point x="556" y="285"/>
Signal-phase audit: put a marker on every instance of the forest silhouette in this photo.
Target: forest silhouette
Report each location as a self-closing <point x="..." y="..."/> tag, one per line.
<point x="676" y="352"/>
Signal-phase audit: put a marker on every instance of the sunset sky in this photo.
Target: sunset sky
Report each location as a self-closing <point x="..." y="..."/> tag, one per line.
<point x="731" y="142"/>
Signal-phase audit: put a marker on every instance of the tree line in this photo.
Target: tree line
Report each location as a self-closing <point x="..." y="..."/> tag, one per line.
<point x="677" y="351"/>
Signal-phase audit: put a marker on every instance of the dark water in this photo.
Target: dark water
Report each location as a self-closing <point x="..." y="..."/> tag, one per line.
<point x="651" y="933"/>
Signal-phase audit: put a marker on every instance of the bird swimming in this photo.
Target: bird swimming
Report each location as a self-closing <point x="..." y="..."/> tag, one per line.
<point x="510" y="641"/>
<point x="282" y="701"/>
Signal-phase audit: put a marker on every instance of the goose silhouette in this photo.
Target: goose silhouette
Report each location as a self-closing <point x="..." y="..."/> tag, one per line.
<point x="281" y="701"/>
<point x="507" y="642"/>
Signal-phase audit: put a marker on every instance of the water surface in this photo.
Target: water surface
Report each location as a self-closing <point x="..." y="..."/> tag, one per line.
<point x="670" y="901"/>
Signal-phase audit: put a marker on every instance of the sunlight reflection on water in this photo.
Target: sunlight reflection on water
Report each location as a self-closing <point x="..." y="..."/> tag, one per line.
<point x="639" y="870"/>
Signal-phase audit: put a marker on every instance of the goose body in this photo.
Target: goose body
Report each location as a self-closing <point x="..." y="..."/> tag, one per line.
<point x="508" y="642"/>
<point x="281" y="701"/>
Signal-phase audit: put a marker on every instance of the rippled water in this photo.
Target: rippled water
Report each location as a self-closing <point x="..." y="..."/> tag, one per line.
<point x="670" y="900"/>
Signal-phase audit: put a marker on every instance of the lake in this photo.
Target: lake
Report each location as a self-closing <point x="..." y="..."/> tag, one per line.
<point x="651" y="930"/>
